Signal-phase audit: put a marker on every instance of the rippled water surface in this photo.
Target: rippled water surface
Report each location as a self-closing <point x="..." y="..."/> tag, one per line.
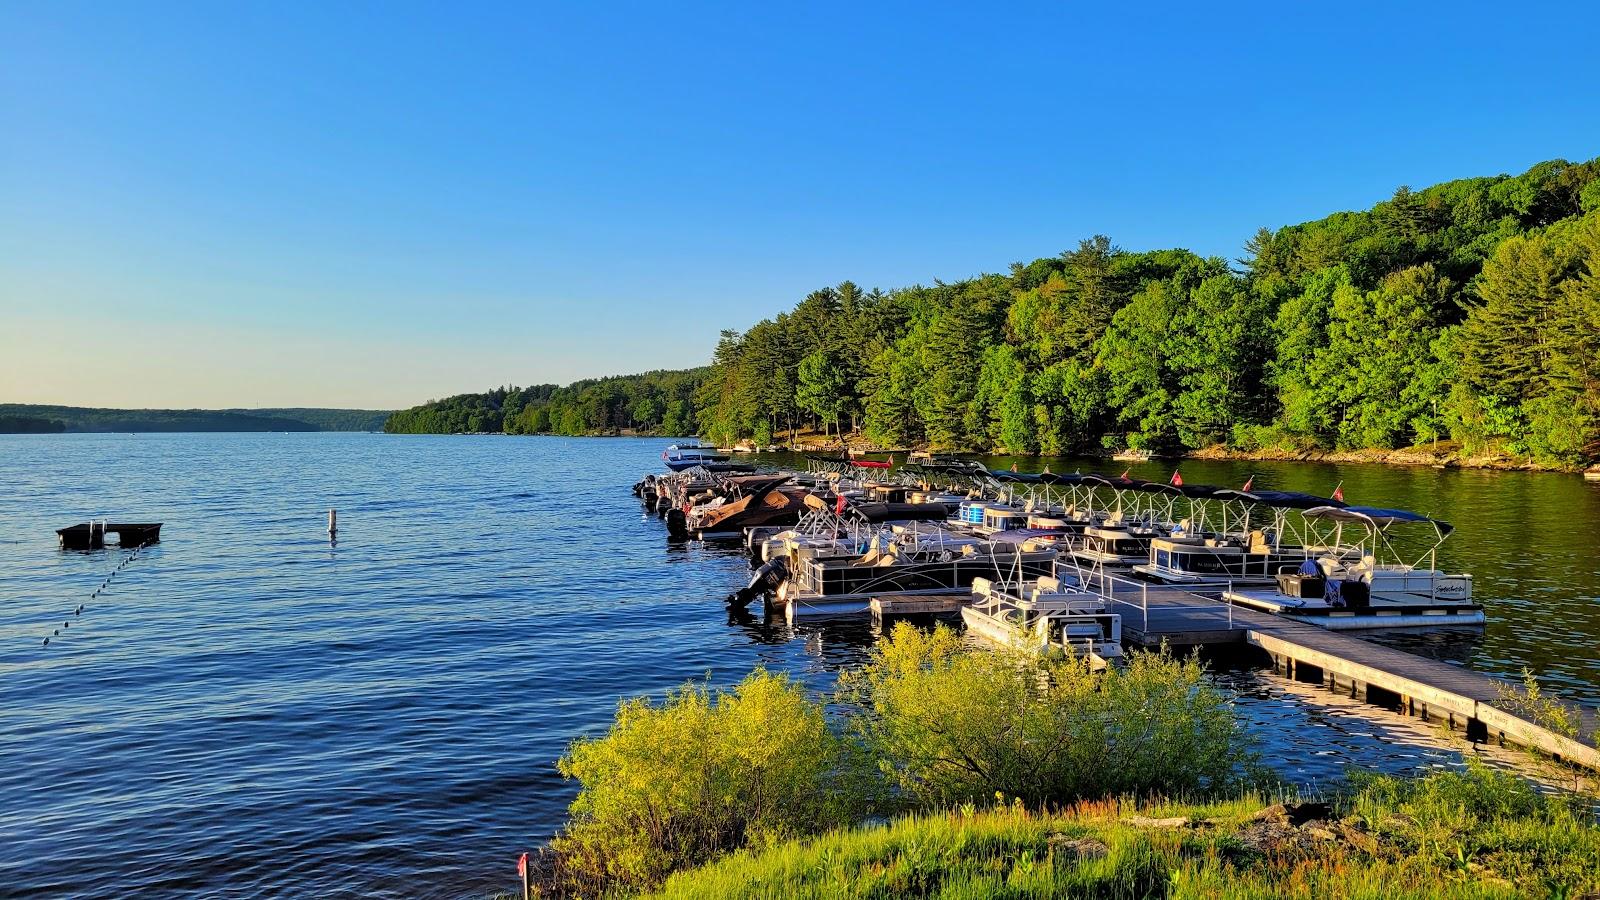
<point x="249" y="709"/>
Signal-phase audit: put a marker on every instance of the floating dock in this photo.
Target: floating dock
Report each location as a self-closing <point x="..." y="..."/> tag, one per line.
<point x="92" y="535"/>
<point x="1413" y="685"/>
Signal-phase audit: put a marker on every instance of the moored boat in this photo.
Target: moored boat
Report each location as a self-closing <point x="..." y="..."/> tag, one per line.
<point x="1114" y="545"/>
<point x="1362" y="584"/>
<point x="685" y="456"/>
<point x="906" y="559"/>
<point x="1041" y="615"/>
<point x="1240" y="554"/>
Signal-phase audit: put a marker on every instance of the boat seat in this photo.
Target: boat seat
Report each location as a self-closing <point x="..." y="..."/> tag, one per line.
<point x="1294" y="584"/>
<point x="1349" y="593"/>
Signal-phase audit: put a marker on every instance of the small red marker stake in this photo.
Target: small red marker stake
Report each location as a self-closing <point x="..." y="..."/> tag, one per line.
<point x="522" y="869"/>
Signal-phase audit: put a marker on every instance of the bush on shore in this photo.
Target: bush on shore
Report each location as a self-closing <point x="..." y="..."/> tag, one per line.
<point x="929" y="721"/>
<point x="707" y="771"/>
<point x="952" y="726"/>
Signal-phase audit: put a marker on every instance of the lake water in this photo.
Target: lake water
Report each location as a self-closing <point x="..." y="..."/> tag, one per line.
<point x="249" y="709"/>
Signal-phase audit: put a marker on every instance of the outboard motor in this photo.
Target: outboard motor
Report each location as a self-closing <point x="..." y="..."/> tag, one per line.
<point x="765" y="581"/>
<point x="677" y="523"/>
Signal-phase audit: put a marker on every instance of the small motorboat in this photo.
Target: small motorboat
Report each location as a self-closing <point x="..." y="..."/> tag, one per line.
<point x="686" y="456"/>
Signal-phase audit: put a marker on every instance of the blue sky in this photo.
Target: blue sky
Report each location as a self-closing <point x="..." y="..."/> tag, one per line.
<point x="375" y="204"/>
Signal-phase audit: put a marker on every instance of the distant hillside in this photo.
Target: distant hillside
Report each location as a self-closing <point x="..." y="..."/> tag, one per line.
<point x="661" y="402"/>
<point x="23" y="417"/>
<point x="29" y="425"/>
<point x="326" y="419"/>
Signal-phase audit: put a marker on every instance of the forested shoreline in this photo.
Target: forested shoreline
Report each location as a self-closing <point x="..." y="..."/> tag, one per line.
<point x="31" y="418"/>
<point x="1467" y="312"/>
<point x="653" y="402"/>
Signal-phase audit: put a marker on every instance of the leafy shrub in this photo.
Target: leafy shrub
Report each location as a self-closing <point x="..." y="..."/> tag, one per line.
<point x="675" y="784"/>
<point x="952" y="725"/>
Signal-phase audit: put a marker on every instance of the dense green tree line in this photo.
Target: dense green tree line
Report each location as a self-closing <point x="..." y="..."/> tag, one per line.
<point x="1469" y="311"/>
<point x="660" y="402"/>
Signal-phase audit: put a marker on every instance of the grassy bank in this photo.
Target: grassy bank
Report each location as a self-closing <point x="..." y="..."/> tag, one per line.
<point x="1477" y="835"/>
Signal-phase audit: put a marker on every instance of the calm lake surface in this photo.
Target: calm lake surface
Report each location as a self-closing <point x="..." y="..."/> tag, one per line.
<point x="251" y="710"/>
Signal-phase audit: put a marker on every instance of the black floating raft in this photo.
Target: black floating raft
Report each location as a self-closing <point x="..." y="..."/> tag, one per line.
<point x="92" y="535"/>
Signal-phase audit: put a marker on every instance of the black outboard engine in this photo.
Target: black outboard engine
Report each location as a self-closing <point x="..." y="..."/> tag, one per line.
<point x="765" y="581"/>
<point x="677" y="523"/>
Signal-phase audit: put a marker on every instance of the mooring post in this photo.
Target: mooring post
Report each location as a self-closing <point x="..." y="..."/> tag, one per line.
<point x="333" y="523"/>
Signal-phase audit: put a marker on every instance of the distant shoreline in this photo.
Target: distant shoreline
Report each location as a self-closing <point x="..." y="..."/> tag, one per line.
<point x="93" y="420"/>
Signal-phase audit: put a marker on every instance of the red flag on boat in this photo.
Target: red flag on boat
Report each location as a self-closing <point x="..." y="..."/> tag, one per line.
<point x="1248" y="484"/>
<point x="1338" y="492"/>
<point x="1177" y="480"/>
<point x="838" y="506"/>
<point x="1124" y="475"/>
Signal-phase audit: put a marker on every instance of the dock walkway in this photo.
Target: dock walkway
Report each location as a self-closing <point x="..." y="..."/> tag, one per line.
<point x="1342" y="662"/>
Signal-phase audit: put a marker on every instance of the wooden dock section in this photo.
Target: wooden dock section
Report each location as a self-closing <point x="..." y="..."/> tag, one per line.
<point x="918" y="604"/>
<point x="1341" y="662"/>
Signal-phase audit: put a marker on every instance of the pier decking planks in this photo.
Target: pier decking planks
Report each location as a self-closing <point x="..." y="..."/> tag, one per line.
<point x="918" y="604"/>
<point x="1426" y="687"/>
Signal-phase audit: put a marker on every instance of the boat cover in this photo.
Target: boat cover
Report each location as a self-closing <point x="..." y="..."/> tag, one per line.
<point x="1373" y="516"/>
<point x="1281" y="499"/>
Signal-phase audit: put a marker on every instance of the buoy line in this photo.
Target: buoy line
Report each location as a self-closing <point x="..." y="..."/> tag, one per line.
<point x="105" y="586"/>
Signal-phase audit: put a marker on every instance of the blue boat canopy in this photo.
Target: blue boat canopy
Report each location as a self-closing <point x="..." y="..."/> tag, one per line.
<point x="1283" y="499"/>
<point x="1374" y="516"/>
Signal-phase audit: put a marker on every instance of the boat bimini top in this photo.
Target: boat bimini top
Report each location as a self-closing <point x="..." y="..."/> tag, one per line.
<point x="1375" y="521"/>
<point x="1374" y="517"/>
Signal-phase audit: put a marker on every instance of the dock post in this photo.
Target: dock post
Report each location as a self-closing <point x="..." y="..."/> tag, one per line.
<point x="333" y="523"/>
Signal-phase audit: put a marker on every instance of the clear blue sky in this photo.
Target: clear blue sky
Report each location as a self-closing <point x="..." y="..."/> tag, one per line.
<point x="375" y="204"/>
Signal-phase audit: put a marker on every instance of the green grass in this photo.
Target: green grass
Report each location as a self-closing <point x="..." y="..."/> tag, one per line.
<point x="1473" y="835"/>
